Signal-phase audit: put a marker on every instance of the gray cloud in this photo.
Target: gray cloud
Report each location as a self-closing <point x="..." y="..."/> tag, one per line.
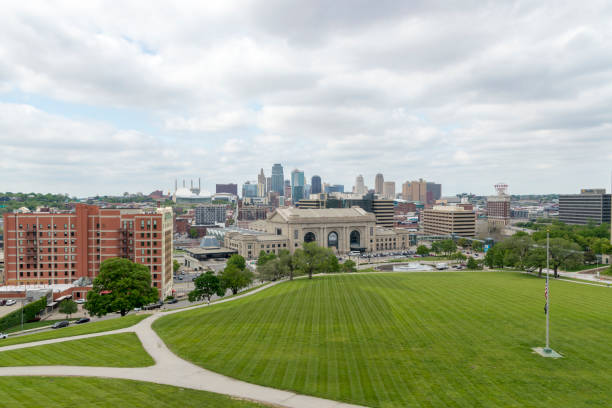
<point x="466" y="94"/>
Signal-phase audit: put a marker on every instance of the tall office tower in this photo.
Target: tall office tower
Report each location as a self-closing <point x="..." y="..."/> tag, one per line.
<point x="359" y="187"/>
<point x="315" y="185"/>
<point x="389" y="190"/>
<point x="379" y="184"/>
<point x="227" y="188"/>
<point x="434" y="192"/>
<point x="498" y="206"/>
<point x="297" y="185"/>
<point x="418" y="191"/>
<point x="334" y="188"/>
<point x="278" y="179"/>
<point x="249" y="190"/>
<point x="44" y="248"/>
<point x="406" y="193"/>
<point x="268" y="185"/>
<point x="261" y="184"/>
<point x="287" y="184"/>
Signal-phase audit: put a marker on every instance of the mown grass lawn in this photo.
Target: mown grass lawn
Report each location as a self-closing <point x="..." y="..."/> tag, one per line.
<point x="34" y="325"/>
<point x="114" y="350"/>
<point x="62" y="392"/>
<point x="75" y="330"/>
<point x="412" y="339"/>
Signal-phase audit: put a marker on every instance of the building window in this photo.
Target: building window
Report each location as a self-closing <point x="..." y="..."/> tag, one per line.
<point x="296" y="234"/>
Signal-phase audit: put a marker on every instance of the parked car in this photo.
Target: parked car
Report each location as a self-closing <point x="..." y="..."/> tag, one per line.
<point x="80" y="301"/>
<point x="10" y="302"/>
<point x="137" y="309"/>
<point x="3" y="336"/>
<point x="2" y="302"/>
<point x="82" y="320"/>
<point x="59" y="325"/>
<point x="173" y="301"/>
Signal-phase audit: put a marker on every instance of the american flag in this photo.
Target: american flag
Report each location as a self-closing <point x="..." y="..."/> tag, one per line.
<point x="546" y="292"/>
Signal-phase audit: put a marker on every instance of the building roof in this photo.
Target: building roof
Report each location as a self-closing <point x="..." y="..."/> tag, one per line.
<point x="302" y="213"/>
<point x="449" y="208"/>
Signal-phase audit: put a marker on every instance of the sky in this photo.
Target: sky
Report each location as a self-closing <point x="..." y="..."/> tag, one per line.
<point x="97" y="99"/>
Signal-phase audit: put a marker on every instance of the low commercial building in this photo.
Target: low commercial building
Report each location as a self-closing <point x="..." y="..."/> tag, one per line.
<point x="449" y="220"/>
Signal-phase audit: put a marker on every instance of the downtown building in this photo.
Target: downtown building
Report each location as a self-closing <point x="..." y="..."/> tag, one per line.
<point x="383" y="210"/>
<point x="210" y="214"/>
<point x="449" y="220"/>
<point x="60" y="248"/>
<point x="591" y="205"/>
<point x="229" y="188"/>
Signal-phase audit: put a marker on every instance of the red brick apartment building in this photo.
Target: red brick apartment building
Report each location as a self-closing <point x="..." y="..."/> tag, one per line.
<point x="45" y="248"/>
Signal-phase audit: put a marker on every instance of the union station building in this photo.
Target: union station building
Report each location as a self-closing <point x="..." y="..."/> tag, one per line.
<point x="340" y="229"/>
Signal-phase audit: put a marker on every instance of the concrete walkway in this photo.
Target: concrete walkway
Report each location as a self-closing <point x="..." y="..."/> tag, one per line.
<point x="169" y="369"/>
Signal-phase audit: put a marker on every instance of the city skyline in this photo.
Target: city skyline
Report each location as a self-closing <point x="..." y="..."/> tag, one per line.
<point x="92" y="101"/>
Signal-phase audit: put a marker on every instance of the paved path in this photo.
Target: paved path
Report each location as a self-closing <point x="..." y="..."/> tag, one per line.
<point x="170" y="369"/>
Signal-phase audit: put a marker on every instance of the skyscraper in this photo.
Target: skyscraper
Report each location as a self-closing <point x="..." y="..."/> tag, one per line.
<point x="261" y="184"/>
<point x="359" y="186"/>
<point x="389" y="190"/>
<point x="297" y="185"/>
<point x="379" y="183"/>
<point x="278" y="179"/>
<point x="315" y="185"/>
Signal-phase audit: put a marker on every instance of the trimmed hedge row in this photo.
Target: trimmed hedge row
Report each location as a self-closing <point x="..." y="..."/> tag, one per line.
<point x="29" y="312"/>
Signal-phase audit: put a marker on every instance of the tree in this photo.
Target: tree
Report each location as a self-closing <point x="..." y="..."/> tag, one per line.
<point x="68" y="307"/>
<point x="463" y="243"/>
<point x="286" y="263"/>
<point x="516" y="249"/>
<point x="120" y="286"/>
<point x="448" y="246"/>
<point x="312" y="258"/>
<point x="271" y="270"/>
<point x="422" y="250"/>
<point x="235" y="279"/>
<point x="175" y="266"/>
<point x="333" y="264"/>
<point x="237" y="260"/>
<point x="206" y="285"/>
<point x="193" y="233"/>
<point x="472" y="263"/>
<point x="563" y="253"/>
<point x="536" y="259"/>
<point x="436" y="247"/>
<point x="458" y="256"/>
<point x="264" y="257"/>
<point x="349" y="266"/>
<point x="477" y="246"/>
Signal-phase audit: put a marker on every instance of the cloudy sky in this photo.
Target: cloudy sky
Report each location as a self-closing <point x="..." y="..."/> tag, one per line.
<point x="96" y="98"/>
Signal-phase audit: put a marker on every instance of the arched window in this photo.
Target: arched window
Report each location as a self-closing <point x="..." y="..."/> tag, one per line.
<point x="355" y="240"/>
<point x="332" y="239"/>
<point x="309" y="237"/>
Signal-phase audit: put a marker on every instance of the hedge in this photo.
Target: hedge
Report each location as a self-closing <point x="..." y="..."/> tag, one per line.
<point x="30" y="311"/>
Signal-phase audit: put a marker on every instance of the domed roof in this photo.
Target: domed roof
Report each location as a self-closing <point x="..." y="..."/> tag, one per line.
<point x="184" y="192"/>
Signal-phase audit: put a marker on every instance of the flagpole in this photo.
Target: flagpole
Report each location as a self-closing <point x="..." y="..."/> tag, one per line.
<point x="547" y="292"/>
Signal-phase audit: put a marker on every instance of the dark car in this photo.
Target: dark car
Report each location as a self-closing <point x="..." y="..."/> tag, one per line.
<point x="172" y="301"/>
<point x="82" y="320"/>
<point x="2" y="302"/>
<point x="58" y="325"/>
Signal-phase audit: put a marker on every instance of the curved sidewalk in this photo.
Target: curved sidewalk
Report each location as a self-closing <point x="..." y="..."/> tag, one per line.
<point x="169" y="369"/>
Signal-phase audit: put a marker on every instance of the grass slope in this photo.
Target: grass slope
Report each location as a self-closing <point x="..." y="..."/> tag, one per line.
<point x="34" y="392"/>
<point x="412" y="339"/>
<point x="86" y="328"/>
<point x="115" y="350"/>
<point x="34" y="325"/>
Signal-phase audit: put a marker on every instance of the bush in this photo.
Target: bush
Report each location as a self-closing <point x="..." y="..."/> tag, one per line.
<point x="29" y="312"/>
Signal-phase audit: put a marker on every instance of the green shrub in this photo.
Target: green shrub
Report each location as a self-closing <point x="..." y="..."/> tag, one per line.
<point x="29" y="312"/>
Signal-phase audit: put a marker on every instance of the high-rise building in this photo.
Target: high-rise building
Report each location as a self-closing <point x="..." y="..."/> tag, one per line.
<point x="389" y="190"/>
<point x="249" y="190"/>
<point x="315" y="185"/>
<point x="297" y="185"/>
<point x="449" y="220"/>
<point x="379" y="183"/>
<point x="591" y="205"/>
<point x="434" y="192"/>
<point x="227" y="188"/>
<point x="418" y="191"/>
<point x="210" y="214"/>
<point x="261" y="184"/>
<point x="334" y="188"/>
<point x="47" y="248"/>
<point x="359" y="187"/>
<point x="278" y="179"/>
<point x="498" y="206"/>
<point x="268" y="184"/>
<point x="406" y="192"/>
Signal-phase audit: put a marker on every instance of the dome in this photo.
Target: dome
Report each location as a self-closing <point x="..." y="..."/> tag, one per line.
<point x="209" y="242"/>
<point x="184" y="192"/>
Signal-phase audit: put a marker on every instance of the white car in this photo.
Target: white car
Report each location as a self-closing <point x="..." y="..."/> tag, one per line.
<point x="3" y="336"/>
<point x="11" y="302"/>
<point x="79" y="301"/>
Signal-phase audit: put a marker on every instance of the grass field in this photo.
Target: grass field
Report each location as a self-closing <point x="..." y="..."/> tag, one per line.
<point x="62" y="392"/>
<point x="412" y="339"/>
<point x="86" y="328"/>
<point x="114" y="350"/>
